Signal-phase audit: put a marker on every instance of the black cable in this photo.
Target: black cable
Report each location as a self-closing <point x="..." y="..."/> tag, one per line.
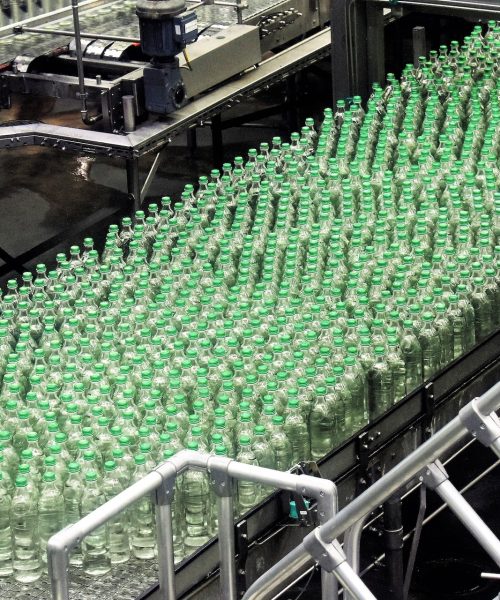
<point x="306" y="585"/>
<point x="415" y="542"/>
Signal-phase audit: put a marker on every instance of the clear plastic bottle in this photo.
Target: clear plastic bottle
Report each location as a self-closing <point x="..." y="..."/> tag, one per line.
<point x="26" y="559"/>
<point x="5" y="528"/>
<point x="142" y="518"/>
<point x="50" y="512"/>
<point x="72" y="495"/>
<point x="196" y="496"/>
<point x="248" y="492"/>
<point x="95" y="546"/>
<point x="119" y="550"/>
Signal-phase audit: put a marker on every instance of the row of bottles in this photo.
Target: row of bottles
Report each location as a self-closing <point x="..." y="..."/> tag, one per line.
<point x="268" y="315"/>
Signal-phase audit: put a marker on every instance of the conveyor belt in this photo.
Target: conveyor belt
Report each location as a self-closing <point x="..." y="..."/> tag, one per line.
<point x="393" y="436"/>
<point x="114" y="18"/>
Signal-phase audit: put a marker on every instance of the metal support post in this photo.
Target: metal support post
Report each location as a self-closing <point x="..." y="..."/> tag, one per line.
<point x="133" y="183"/>
<point x="217" y="141"/>
<point x="341" y="36"/>
<point x="221" y="484"/>
<point x="352" y="543"/>
<point x="375" y="43"/>
<point x="164" y="497"/>
<point x="486" y="429"/>
<point x="152" y="172"/>
<point x="435" y="478"/>
<point x="419" y="44"/>
<point x="393" y="541"/>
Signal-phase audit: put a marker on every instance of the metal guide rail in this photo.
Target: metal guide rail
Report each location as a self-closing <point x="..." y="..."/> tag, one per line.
<point x="353" y="465"/>
<point x="478" y="418"/>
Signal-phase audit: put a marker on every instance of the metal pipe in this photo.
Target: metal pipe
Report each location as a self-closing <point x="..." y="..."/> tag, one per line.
<point x="352" y="544"/>
<point x="128" y="105"/>
<point x="88" y="120"/>
<point x="91" y="36"/>
<point x="444" y="439"/>
<point x="227" y="547"/>
<point x="470" y="519"/>
<point x="419" y="44"/>
<point x="352" y="582"/>
<point x="165" y="545"/>
<point x="164" y="531"/>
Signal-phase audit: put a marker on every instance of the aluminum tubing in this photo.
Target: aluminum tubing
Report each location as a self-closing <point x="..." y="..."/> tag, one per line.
<point x="470" y="519"/>
<point x="165" y="541"/>
<point x="282" y="573"/>
<point x="183" y="460"/>
<point x="352" y="543"/>
<point x="226" y="548"/>
<point x="65" y="539"/>
<point x="352" y="582"/>
<point x="284" y="481"/>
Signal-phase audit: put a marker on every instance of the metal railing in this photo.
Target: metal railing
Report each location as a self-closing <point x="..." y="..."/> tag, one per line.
<point x="160" y="483"/>
<point x="477" y="418"/>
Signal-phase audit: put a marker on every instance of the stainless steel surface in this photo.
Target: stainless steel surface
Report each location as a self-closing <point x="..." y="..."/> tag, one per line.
<point x="217" y="58"/>
<point x="153" y="135"/>
<point x="428" y="452"/>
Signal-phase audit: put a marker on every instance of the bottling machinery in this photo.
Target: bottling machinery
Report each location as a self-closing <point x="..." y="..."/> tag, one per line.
<point x="108" y="51"/>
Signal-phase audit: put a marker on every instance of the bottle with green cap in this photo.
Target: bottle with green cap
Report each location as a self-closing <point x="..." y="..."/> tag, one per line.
<point x="297" y="431"/>
<point x="322" y="422"/>
<point x="380" y="390"/>
<point x="142" y="518"/>
<point x="119" y="551"/>
<point x="72" y="495"/>
<point x="263" y="452"/>
<point x="197" y="510"/>
<point x="26" y="561"/>
<point x="430" y="343"/>
<point x="247" y="492"/>
<point x="280" y="444"/>
<point x="50" y="512"/>
<point x="95" y="546"/>
<point x="5" y="526"/>
<point x="411" y="353"/>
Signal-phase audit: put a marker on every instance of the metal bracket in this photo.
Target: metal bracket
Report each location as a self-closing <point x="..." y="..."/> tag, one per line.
<point x="220" y="481"/>
<point x="241" y="531"/>
<point x="165" y="493"/>
<point x="434" y="475"/>
<point x="429" y="401"/>
<point x="328" y="555"/>
<point x="485" y="428"/>
<point x="307" y="515"/>
<point x="363" y="449"/>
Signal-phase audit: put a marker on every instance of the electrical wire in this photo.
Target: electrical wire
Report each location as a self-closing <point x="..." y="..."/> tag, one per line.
<point x="306" y="585"/>
<point x="188" y="63"/>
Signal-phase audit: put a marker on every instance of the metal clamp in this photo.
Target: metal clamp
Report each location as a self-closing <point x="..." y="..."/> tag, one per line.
<point x="329" y="555"/>
<point x="485" y="428"/>
<point x="220" y="480"/>
<point x="434" y="475"/>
